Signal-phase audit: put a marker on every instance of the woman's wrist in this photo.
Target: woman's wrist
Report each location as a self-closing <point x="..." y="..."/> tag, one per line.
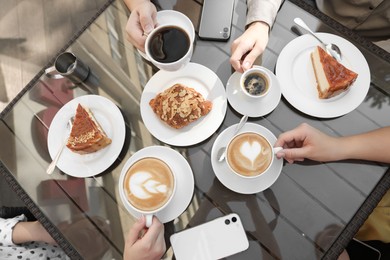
<point x="132" y="4"/>
<point x="259" y="26"/>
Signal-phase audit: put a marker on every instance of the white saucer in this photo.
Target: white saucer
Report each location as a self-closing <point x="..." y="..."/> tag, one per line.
<point x="246" y="106"/>
<point x="184" y="181"/>
<point x="86" y="165"/>
<point x="229" y="178"/>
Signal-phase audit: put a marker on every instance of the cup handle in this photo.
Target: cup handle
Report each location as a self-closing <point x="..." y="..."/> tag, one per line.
<point x="148" y="220"/>
<point x="52" y="73"/>
<point x="277" y="149"/>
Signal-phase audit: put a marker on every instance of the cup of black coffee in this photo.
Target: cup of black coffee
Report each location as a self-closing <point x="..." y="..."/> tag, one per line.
<point x="170" y="45"/>
<point x="255" y="82"/>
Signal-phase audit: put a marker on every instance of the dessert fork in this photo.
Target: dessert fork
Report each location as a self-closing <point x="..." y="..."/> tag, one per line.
<point x="53" y="164"/>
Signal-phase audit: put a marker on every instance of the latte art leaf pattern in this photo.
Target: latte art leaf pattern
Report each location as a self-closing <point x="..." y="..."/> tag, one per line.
<point x="143" y="186"/>
<point x="148" y="184"/>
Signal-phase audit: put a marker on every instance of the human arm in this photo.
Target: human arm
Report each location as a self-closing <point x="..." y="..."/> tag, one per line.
<point x="307" y="142"/>
<point x="141" y="21"/>
<point x="29" y="231"/>
<point x="252" y="43"/>
<point x="148" y="246"/>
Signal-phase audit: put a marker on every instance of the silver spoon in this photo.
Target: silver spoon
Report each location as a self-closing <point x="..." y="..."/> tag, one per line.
<point x="331" y="48"/>
<point x="222" y="151"/>
<point x="53" y="164"/>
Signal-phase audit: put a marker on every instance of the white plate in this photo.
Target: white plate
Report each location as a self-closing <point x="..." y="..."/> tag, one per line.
<point x="297" y="80"/>
<point x="184" y="181"/>
<point x="111" y="120"/>
<point x="233" y="182"/>
<point x="247" y="106"/>
<point x="203" y="80"/>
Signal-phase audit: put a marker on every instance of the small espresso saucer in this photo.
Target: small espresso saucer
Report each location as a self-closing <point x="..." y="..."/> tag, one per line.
<point x="184" y="181"/>
<point x="235" y="183"/>
<point x="247" y="106"/>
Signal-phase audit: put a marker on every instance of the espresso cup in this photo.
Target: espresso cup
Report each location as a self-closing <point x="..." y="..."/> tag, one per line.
<point x="69" y="66"/>
<point x="170" y="45"/>
<point x="255" y="82"/>
<point x="148" y="186"/>
<point x="249" y="154"/>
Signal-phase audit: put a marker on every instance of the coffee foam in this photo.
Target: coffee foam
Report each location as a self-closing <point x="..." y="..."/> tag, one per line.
<point x="249" y="154"/>
<point x="148" y="184"/>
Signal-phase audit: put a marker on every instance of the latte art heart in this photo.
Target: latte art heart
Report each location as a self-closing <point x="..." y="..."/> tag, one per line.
<point x="249" y="154"/>
<point x="250" y="150"/>
<point x="148" y="184"/>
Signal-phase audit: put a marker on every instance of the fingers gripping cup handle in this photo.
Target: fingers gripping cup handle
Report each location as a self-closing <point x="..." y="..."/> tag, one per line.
<point x="277" y="149"/>
<point x="148" y="220"/>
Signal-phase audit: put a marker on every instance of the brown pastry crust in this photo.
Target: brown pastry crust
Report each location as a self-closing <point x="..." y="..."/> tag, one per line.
<point x="180" y="105"/>
<point x="337" y="78"/>
<point x="86" y="135"/>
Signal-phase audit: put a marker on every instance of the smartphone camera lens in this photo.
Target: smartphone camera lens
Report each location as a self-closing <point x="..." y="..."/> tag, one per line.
<point x="227" y="222"/>
<point x="234" y="219"/>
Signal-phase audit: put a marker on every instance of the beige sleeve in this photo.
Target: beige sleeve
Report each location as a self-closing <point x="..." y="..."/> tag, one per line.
<point x="262" y="10"/>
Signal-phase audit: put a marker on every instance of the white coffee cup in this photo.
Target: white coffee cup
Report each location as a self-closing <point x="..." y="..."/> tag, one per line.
<point x="169" y="46"/>
<point x="250" y="154"/>
<point x="256" y="82"/>
<point x="147" y="186"/>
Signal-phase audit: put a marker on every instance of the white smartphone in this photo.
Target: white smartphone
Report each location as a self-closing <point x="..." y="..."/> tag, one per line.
<point x="216" y="20"/>
<point x="218" y="238"/>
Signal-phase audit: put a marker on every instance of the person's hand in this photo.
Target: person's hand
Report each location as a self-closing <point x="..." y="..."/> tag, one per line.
<point x="148" y="246"/>
<point x="251" y="44"/>
<point x="142" y="20"/>
<point x="308" y="142"/>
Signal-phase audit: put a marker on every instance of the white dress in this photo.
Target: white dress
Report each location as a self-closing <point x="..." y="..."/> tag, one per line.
<point x="26" y="251"/>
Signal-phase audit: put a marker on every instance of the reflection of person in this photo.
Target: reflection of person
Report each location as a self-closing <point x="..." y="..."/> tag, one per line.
<point x="21" y="239"/>
<point x="306" y="142"/>
<point x="146" y="245"/>
<point x="245" y="49"/>
<point x="370" y="19"/>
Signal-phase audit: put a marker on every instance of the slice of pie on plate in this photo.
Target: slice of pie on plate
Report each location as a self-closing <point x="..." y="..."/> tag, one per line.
<point x="332" y="77"/>
<point x="86" y="135"/>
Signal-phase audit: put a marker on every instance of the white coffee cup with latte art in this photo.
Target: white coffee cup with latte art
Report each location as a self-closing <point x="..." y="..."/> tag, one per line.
<point x="148" y="185"/>
<point x="250" y="154"/>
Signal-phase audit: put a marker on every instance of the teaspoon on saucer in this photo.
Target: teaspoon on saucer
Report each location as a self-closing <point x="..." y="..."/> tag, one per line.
<point x="222" y="151"/>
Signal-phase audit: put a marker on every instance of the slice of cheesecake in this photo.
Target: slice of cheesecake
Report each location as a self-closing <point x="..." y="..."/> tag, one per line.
<point x="86" y="135"/>
<point x="332" y="77"/>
